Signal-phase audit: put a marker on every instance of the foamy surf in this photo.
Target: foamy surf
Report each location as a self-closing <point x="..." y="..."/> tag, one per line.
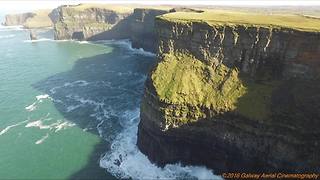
<point x="124" y="160"/>
<point x="56" y="126"/>
<point x="63" y="125"/>
<point x="43" y="96"/>
<point x="126" y="43"/>
<point x="80" y="83"/>
<point x="5" y="130"/>
<point x="40" y="141"/>
<point x="31" y="107"/>
<point x="39" y="99"/>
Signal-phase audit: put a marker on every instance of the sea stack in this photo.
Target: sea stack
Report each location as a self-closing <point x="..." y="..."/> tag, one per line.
<point x="33" y="35"/>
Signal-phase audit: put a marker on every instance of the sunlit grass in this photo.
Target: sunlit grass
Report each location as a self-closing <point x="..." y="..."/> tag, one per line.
<point x="233" y="18"/>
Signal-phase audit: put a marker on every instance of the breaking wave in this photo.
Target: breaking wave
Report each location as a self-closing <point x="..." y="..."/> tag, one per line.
<point x="125" y="43"/>
<point x="126" y="161"/>
<point x="39" y="99"/>
<point x="3" y="131"/>
<point x="56" y="126"/>
<point x="40" y="141"/>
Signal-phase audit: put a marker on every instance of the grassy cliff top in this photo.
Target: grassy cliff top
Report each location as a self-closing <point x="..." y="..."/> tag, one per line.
<point x="41" y="19"/>
<point x="225" y="17"/>
<point x="118" y="7"/>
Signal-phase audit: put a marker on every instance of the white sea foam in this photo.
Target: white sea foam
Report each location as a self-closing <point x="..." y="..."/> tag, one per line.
<point x="124" y="160"/>
<point x="39" y="99"/>
<point x="43" y="96"/>
<point x="40" y="125"/>
<point x="7" y="36"/>
<point x="31" y="107"/>
<point x="42" y="139"/>
<point x="80" y="83"/>
<point x="73" y="107"/>
<point x="85" y="101"/>
<point x="63" y="125"/>
<point x="125" y="43"/>
<point x="3" y="131"/>
<point x="56" y="126"/>
<point x="83" y="42"/>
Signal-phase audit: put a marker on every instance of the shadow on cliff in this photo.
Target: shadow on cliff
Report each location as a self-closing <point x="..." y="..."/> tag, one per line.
<point x="138" y="27"/>
<point x="96" y="92"/>
<point x="239" y="140"/>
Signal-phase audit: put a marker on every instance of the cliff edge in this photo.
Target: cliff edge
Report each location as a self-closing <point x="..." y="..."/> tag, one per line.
<point x="105" y="22"/>
<point x="234" y="91"/>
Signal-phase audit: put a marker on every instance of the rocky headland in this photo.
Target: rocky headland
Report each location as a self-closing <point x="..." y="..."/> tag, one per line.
<point x="29" y="20"/>
<point x="233" y="91"/>
<point x="236" y="92"/>
<point x="93" y="22"/>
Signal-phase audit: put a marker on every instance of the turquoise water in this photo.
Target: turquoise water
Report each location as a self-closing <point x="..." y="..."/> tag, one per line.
<point x="71" y="110"/>
<point x="54" y="136"/>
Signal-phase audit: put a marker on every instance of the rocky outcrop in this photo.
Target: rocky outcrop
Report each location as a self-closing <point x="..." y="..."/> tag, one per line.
<point x="103" y="24"/>
<point x="82" y="24"/>
<point x="142" y="30"/>
<point x="30" y="20"/>
<point x="33" y="35"/>
<point x="236" y="98"/>
<point x="17" y="19"/>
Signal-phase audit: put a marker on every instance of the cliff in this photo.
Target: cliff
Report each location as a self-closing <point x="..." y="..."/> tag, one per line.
<point x="82" y="22"/>
<point x="36" y="19"/>
<point x="235" y="92"/>
<point x="104" y="22"/>
<point x="17" y="19"/>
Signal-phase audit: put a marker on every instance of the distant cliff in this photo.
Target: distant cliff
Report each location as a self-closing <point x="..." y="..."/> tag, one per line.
<point x="83" y="22"/>
<point x="17" y="19"/>
<point x="36" y="19"/>
<point x="236" y="95"/>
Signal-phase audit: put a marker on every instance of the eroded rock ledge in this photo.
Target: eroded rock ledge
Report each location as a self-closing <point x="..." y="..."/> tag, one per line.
<point x="233" y="97"/>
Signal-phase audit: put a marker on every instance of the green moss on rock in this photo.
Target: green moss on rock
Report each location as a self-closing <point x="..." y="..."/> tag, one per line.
<point x="193" y="86"/>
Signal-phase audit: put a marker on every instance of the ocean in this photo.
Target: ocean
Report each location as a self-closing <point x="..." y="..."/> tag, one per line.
<point x="71" y="110"/>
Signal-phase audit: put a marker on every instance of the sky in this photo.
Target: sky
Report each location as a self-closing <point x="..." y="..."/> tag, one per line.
<point x="24" y="5"/>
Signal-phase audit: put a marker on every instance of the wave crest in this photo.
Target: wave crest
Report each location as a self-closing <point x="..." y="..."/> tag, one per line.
<point x="124" y="160"/>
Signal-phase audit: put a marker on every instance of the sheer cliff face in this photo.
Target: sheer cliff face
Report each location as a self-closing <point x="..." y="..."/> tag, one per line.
<point x="17" y="19"/>
<point x="142" y="28"/>
<point x="233" y="98"/>
<point x="104" y="24"/>
<point x="83" y="24"/>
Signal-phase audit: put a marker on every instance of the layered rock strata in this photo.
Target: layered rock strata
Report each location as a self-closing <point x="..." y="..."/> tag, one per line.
<point x="233" y="97"/>
<point x="95" y="23"/>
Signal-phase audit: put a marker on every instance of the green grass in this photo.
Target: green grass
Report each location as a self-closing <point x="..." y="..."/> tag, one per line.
<point x="234" y="18"/>
<point x="192" y="85"/>
<point x="120" y="8"/>
<point x="41" y="19"/>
